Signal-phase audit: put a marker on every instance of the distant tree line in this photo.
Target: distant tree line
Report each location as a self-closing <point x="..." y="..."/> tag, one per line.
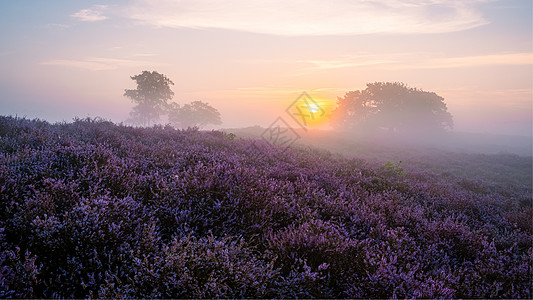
<point x="152" y="100"/>
<point x="392" y="107"/>
<point x="382" y="106"/>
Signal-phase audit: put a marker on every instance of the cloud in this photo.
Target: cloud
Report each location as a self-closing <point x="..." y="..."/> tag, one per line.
<point x="143" y="54"/>
<point x="420" y="61"/>
<point x="312" y="17"/>
<point x="93" y="14"/>
<point x="99" y="63"/>
<point x="479" y="60"/>
<point x="58" y="26"/>
<point x="351" y="61"/>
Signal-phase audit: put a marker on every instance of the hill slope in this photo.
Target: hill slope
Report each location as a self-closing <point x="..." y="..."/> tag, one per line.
<point x="95" y="209"/>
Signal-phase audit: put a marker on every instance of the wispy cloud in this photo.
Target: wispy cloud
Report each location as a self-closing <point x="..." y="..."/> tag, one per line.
<point x="313" y="17"/>
<point x="58" y="26"/>
<point x="264" y="90"/>
<point x="143" y="54"/>
<point x="93" y="14"/>
<point x="351" y="61"/>
<point x="99" y="63"/>
<point x="479" y="60"/>
<point x="420" y="61"/>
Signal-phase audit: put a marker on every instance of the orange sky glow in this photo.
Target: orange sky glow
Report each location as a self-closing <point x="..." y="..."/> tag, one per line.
<point x="252" y="59"/>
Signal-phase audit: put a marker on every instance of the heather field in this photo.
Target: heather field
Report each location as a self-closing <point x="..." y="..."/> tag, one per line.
<point x="94" y="209"/>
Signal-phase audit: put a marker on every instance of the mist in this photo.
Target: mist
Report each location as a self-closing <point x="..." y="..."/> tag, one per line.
<point x="76" y="60"/>
<point x="428" y="93"/>
<point x="266" y="149"/>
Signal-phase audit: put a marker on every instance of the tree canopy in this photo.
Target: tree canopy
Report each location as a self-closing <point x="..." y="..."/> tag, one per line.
<point x="394" y="107"/>
<point x="151" y="97"/>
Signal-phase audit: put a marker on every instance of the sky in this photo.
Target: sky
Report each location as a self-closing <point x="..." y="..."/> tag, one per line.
<point x="251" y="59"/>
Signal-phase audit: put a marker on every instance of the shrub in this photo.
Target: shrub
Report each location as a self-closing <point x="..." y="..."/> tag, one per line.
<point x="93" y="209"/>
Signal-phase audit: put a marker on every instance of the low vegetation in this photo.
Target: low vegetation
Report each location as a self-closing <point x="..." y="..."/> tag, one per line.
<point x="94" y="209"/>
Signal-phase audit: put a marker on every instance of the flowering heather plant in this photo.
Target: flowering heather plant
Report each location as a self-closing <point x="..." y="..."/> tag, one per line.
<point x="94" y="209"/>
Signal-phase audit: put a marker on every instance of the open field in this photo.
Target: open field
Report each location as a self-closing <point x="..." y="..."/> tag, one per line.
<point x="493" y="159"/>
<point x="94" y="209"/>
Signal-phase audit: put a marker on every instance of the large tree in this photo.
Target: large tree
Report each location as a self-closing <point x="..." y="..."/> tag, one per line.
<point x="151" y="97"/>
<point x="197" y="113"/>
<point x="394" y="107"/>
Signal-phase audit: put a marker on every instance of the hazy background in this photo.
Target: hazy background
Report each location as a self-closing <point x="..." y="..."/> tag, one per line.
<point x="251" y="59"/>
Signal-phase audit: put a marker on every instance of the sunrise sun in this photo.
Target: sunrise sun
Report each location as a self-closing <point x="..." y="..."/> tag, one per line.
<point x="309" y="111"/>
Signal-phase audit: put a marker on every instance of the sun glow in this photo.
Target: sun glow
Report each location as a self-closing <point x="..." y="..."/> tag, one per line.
<point x="310" y="112"/>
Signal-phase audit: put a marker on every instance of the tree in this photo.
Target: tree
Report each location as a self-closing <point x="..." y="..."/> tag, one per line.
<point x="151" y="97"/>
<point x="394" y="107"/>
<point x="197" y="113"/>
